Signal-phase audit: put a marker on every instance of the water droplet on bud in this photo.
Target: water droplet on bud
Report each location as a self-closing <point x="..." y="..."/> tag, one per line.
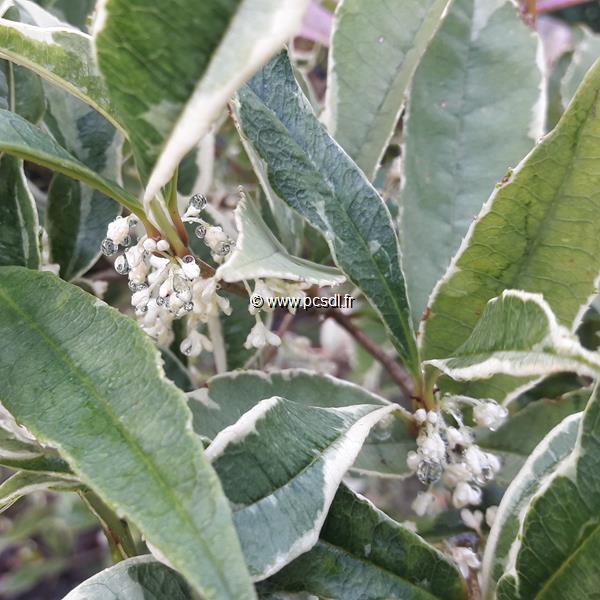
<point x="160" y="300"/>
<point x="188" y="258"/>
<point x="429" y="472"/>
<point x="180" y="284"/>
<point x="121" y="265"/>
<point x="137" y="287"/>
<point x="200" y="231"/>
<point x="223" y="249"/>
<point x="186" y="348"/>
<point x="189" y="306"/>
<point x="108" y="247"/>
<point x="198" y="201"/>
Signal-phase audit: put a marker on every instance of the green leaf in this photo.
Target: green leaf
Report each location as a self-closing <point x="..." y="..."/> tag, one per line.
<point x="308" y="170"/>
<point x="22" y="483"/>
<point x="474" y="110"/>
<point x="140" y="577"/>
<point x="587" y="50"/>
<point x="95" y="391"/>
<point x="60" y="54"/>
<point x="555" y="554"/>
<point x="538" y="232"/>
<point x="518" y="335"/>
<point x="76" y="215"/>
<point x="289" y="223"/>
<point x="211" y="48"/>
<point x="19" y="227"/>
<point x="375" y="48"/>
<point x="17" y="453"/>
<point x="21" y="91"/>
<point x="555" y="77"/>
<point x="519" y="435"/>
<point x="362" y="554"/>
<point x="258" y="254"/>
<point x="280" y="465"/>
<point x="175" y="370"/>
<point x="227" y="397"/>
<point x="76" y="13"/>
<point x="552" y="451"/>
<point x="22" y="139"/>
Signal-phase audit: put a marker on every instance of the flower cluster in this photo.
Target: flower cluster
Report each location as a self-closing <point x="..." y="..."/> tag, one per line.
<point x="165" y="287"/>
<point x="448" y="453"/>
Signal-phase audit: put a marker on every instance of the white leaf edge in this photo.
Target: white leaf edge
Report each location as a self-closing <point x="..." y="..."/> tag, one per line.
<point x="515" y="497"/>
<point x="571" y="355"/>
<point x="336" y="460"/>
<point x="275" y="23"/>
<point x="329" y="116"/>
<point x="243" y="264"/>
<point x="45" y="35"/>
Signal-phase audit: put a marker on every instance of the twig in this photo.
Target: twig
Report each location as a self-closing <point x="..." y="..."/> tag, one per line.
<point x="395" y="370"/>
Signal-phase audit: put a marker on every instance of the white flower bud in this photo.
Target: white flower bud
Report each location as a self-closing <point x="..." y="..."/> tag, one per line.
<point x="493" y="462"/>
<point x="420" y="416"/>
<point x="472" y="519"/>
<point x="455" y="473"/>
<point x="475" y="459"/>
<point x="194" y="343"/>
<point x="465" y="559"/>
<point x="455" y="437"/>
<point x="489" y="414"/>
<point x="423" y="502"/>
<point x="433" y="447"/>
<point x="260" y="336"/>
<point x="191" y="270"/>
<point x="163" y="245"/>
<point x="465" y="494"/>
<point x="432" y="417"/>
<point x="118" y="230"/>
<point x="413" y="460"/>
<point x="140" y="298"/>
<point x="214" y="237"/>
<point x="150" y="245"/>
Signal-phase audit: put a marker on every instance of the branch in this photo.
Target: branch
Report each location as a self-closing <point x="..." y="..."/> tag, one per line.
<point x="395" y="370"/>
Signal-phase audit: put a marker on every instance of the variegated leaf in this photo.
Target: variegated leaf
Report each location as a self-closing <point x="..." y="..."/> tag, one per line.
<point x="76" y="215"/>
<point x="23" y="140"/>
<point x="280" y="465"/>
<point x="22" y="483"/>
<point x="308" y="170"/>
<point x="518" y="335"/>
<point x="538" y="232"/>
<point x="60" y="54"/>
<point x="375" y="48"/>
<point x="19" y="227"/>
<point x="227" y="397"/>
<point x="555" y="551"/>
<point x="211" y="48"/>
<point x="363" y="554"/>
<point x="142" y="577"/>
<point x="475" y="108"/>
<point x="258" y="254"/>
<point x="553" y="450"/>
